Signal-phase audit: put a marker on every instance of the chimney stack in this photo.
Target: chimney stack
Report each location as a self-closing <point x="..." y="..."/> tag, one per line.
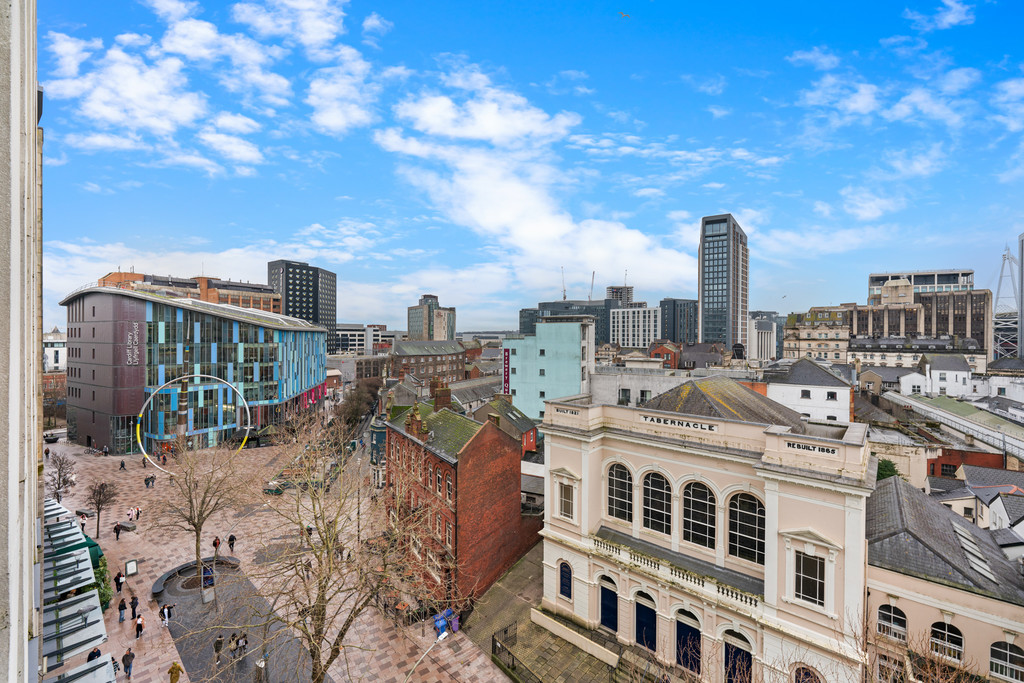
<point x="442" y="396"/>
<point x="496" y="419"/>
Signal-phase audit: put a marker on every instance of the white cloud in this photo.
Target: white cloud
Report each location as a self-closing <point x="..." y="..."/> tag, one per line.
<point x="235" y="123"/>
<point x="340" y="96"/>
<point x="71" y="52"/>
<point x="188" y="159"/>
<point x="865" y="205"/>
<point x="105" y="142"/>
<point x="907" y="165"/>
<point x="171" y="10"/>
<point x="819" y="58"/>
<point x="231" y="147"/>
<point x="648" y="192"/>
<point x="956" y="81"/>
<point x="823" y="209"/>
<point x="314" y="24"/>
<point x="816" y="240"/>
<point x="848" y="97"/>
<point x="714" y="85"/>
<point x="922" y="102"/>
<point x="569" y="81"/>
<point x="713" y="186"/>
<point x="489" y="113"/>
<point x="125" y="91"/>
<point x="1009" y="99"/>
<point x="719" y="112"/>
<point x="374" y="27"/>
<point x="951" y="13"/>
<point x="1015" y="167"/>
<point x="96" y="189"/>
<point x="250" y="61"/>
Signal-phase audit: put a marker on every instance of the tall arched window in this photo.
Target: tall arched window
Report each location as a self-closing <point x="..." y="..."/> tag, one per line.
<point x="746" y="528"/>
<point x="565" y="580"/>
<point x="1006" y="662"/>
<point x="657" y="503"/>
<point x="892" y="622"/>
<point x="699" y="515"/>
<point x="620" y="493"/>
<point x="947" y="640"/>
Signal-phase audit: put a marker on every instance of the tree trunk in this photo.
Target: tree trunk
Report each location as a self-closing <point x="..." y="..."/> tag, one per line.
<point x="98" y="522"/>
<point x="199" y="557"/>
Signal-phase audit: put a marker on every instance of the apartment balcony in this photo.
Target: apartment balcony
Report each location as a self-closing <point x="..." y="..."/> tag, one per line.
<point x="713" y="584"/>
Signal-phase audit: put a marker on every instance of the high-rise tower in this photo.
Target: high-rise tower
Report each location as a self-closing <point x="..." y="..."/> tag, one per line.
<point x="722" y="281"/>
<point x="308" y="293"/>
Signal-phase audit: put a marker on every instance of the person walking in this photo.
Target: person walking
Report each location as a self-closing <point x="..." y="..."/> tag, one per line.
<point x="175" y="671"/>
<point x="231" y="543"/>
<point x="118" y="581"/>
<point x="122" y="467"/>
<point x="134" y="602"/>
<point x="233" y="645"/>
<point x="140" y="626"/>
<point x="138" y="513"/>
<point x="94" y="654"/>
<point x="243" y="644"/>
<point x="81" y="520"/>
<point x="216" y="543"/>
<point x="218" y="645"/>
<point x="127" y="659"/>
<point x="121" y="607"/>
<point x="46" y="453"/>
<point x="165" y="612"/>
<point x="131" y="513"/>
<point x="117" y="531"/>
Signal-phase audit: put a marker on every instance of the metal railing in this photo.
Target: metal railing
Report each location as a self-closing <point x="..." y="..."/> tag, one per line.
<point x="502" y="642"/>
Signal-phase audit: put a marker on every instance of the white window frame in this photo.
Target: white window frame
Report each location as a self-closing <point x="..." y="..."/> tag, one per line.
<point x="802" y="559"/>
<point x="810" y="544"/>
<point x="566" y="501"/>
<point x="888" y="628"/>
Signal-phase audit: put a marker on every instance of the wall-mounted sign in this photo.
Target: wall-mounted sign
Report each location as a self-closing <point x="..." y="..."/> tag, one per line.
<point x="685" y="424"/>
<point x="132" y="346"/>
<point x="797" y="446"/>
<point x="567" y="411"/>
<point x="504" y="383"/>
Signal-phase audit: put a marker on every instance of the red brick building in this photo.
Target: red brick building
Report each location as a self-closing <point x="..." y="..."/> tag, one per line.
<point x="510" y="420"/>
<point x="667" y="351"/>
<point x="465" y="475"/>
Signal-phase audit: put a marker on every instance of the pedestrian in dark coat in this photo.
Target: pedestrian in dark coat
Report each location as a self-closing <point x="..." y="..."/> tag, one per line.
<point x="94" y="654"/>
<point x="121" y="607"/>
<point x="127" y="660"/>
<point x="135" y="606"/>
<point x="118" y="581"/>
<point x="218" y="645"/>
<point x="122" y="467"/>
<point x="231" y="542"/>
<point x="216" y="543"/>
<point x="117" y="531"/>
<point x="140" y="626"/>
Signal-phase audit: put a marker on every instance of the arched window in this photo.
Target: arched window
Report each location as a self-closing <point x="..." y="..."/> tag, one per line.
<point x="699" y="515"/>
<point x="739" y="659"/>
<point x="620" y="493"/>
<point x="448" y="487"/>
<point x="947" y="640"/>
<point x="805" y="675"/>
<point x="1006" y="662"/>
<point x="746" y="528"/>
<point x="892" y="622"/>
<point x="688" y="641"/>
<point x="565" y="580"/>
<point x="657" y="503"/>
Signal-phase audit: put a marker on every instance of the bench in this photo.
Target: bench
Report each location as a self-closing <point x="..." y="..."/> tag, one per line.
<point x="127" y="526"/>
<point x="222" y="560"/>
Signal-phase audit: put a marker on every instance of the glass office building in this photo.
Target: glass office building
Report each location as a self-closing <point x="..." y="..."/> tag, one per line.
<point x="722" y="285"/>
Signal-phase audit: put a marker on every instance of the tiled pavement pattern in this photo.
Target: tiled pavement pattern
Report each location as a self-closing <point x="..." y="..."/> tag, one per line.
<point x="378" y="650"/>
<point x="510" y="599"/>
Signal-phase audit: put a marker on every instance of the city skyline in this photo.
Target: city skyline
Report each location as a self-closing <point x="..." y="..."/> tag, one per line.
<point x="475" y="158"/>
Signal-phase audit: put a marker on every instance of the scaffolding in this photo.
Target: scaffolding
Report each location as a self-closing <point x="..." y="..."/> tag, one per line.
<point x="1005" y="309"/>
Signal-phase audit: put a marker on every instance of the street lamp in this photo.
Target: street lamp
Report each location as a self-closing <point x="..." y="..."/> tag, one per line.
<point x="444" y="634"/>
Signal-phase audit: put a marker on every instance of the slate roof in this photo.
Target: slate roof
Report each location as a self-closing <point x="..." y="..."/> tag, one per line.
<point x="937" y="484"/>
<point x="512" y="415"/>
<point x="1007" y="364"/>
<point x="1007" y="538"/>
<point x="1002" y="403"/>
<point x="427" y="348"/>
<point x="806" y="372"/>
<point x="718" y="396"/>
<point x="989" y="482"/>
<point x="488" y="353"/>
<point x="887" y="374"/>
<point x="448" y="432"/>
<point x="475" y="389"/>
<point x="912" y="534"/>
<point x="531" y="484"/>
<point x="1014" y="506"/>
<point x="953" y="362"/>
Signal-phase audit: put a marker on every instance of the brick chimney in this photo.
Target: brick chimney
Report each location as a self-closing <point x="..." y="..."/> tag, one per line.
<point x="507" y="397"/>
<point x="435" y="383"/>
<point x="442" y="397"/>
<point x="496" y="419"/>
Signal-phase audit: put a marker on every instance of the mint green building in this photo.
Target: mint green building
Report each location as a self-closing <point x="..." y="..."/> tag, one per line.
<point x="554" y="362"/>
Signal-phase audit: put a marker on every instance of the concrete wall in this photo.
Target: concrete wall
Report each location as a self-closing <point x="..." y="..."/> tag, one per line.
<point x="21" y="341"/>
<point x="557" y="350"/>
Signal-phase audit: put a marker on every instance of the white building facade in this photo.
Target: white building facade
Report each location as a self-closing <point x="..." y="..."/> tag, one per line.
<point x="55" y="353"/>
<point x="635" y="328"/>
<point x="730" y="550"/>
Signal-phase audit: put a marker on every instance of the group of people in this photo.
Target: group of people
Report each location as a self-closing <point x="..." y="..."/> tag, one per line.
<point x="150" y="481"/>
<point x="237" y="646"/>
<point x="134" y="513"/>
<point x="231" y="543"/>
<point x="122" y="607"/>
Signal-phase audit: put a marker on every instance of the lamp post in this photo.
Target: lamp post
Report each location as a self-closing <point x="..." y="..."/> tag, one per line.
<point x="216" y="551"/>
<point x="444" y="634"/>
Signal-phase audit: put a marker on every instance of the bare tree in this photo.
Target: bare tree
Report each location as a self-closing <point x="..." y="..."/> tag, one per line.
<point x="101" y="496"/>
<point x="204" y="483"/>
<point x="60" y="475"/>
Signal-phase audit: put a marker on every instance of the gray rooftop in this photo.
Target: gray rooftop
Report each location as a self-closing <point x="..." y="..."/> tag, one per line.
<point x="478" y="389"/>
<point x="720" y="397"/>
<point x="1014" y="506"/>
<point x="885" y="373"/>
<point x="989" y="482"/>
<point x="427" y="348"/>
<point x="806" y="372"/>
<point x="912" y="534"/>
<point x="952" y="362"/>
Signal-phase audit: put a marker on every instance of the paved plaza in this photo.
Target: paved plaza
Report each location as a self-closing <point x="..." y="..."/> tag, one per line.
<point x="376" y="650"/>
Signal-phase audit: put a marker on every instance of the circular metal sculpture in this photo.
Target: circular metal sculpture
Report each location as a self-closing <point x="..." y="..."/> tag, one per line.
<point x="138" y="421"/>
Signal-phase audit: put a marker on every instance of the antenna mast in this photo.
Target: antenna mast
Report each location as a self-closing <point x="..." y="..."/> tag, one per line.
<point x="592" y="274"/>
<point x="563" y="283"/>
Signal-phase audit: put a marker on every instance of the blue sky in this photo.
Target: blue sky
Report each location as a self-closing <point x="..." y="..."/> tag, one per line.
<point x="473" y="149"/>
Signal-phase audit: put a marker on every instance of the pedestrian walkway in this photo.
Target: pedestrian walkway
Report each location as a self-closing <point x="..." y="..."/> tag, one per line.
<point x="377" y="650"/>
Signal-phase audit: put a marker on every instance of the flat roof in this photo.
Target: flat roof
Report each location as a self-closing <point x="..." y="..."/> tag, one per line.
<point x="275" y="321"/>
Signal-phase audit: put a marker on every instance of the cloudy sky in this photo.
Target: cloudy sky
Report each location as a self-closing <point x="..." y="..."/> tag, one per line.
<point x="473" y="149"/>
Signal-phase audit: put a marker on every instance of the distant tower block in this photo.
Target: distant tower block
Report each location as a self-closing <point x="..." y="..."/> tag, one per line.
<point x="1006" y="309"/>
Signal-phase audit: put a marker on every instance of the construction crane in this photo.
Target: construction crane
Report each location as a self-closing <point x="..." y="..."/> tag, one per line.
<point x="563" y="284"/>
<point x="1005" y="309"/>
